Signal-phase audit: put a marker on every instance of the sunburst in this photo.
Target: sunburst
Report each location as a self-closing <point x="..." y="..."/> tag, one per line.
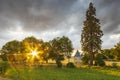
<point x="34" y="53"/>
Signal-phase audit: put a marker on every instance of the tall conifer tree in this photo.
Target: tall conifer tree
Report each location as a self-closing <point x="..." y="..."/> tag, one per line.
<point x="91" y="33"/>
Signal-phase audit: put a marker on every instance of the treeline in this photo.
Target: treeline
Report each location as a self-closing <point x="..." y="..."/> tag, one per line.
<point x="113" y="53"/>
<point x="56" y="49"/>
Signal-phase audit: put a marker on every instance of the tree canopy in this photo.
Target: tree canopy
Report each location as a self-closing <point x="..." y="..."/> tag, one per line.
<point x="61" y="46"/>
<point x="35" y="49"/>
<point x="12" y="47"/>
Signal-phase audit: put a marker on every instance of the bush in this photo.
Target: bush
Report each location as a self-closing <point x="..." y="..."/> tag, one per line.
<point x="3" y="66"/>
<point x="114" y="65"/>
<point x="99" y="60"/>
<point x="70" y="65"/>
<point x="101" y="63"/>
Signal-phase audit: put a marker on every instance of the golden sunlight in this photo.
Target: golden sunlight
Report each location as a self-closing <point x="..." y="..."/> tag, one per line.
<point x="34" y="53"/>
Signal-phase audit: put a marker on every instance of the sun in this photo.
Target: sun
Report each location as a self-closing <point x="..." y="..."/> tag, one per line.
<point x="34" y="53"/>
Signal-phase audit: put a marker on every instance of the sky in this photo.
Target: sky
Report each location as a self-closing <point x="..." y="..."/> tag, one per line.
<point x="47" y="19"/>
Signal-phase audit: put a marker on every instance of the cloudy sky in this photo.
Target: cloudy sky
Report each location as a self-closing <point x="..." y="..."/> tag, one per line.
<point x="47" y="19"/>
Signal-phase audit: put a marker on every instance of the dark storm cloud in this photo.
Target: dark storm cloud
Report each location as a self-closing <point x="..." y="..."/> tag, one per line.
<point x="37" y="14"/>
<point x="109" y="13"/>
<point x="12" y="11"/>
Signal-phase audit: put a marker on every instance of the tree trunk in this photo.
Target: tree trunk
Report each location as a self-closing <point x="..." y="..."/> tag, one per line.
<point x="91" y="59"/>
<point x="46" y="61"/>
<point x="59" y="64"/>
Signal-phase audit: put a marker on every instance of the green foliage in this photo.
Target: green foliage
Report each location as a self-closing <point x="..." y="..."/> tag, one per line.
<point x="46" y="47"/>
<point x="4" y="57"/>
<point x="60" y="47"/>
<point x="114" y="65"/>
<point x="91" y="33"/>
<point x="108" y="54"/>
<point x="3" y="66"/>
<point x="85" y="59"/>
<point x="56" y="49"/>
<point x="12" y="47"/>
<point x="3" y="63"/>
<point x="67" y="47"/>
<point x="113" y="53"/>
<point x="117" y="51"/>
<point x="66" y="44"/>
<point x="99" y="60"/>
<point x="70" y="65"/>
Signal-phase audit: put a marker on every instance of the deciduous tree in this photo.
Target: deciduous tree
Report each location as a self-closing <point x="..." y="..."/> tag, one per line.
<point x="59" y="47"/>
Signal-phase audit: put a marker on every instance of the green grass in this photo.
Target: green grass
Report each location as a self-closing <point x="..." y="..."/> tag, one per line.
<point x="52" y="73"/>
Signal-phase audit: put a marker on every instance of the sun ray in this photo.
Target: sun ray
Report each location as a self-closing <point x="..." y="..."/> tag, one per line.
<point x="34" y="53"/>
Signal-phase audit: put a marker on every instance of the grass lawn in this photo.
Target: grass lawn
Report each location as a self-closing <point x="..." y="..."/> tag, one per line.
<point x="52" y="73"/>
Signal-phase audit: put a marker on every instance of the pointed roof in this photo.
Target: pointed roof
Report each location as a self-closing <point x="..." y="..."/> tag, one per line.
<point x="77" y="54"/>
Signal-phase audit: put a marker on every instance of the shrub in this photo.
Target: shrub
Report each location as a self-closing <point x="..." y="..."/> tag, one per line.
<point x="99" y="60"/>
<point x="101" y="63"/>
<point x="3" y="66"/>
<point x="70" y="65"/>
<point x="114" y="65"/>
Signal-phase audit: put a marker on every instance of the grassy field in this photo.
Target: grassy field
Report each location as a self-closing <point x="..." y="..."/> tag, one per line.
<point x="53" y="73"/>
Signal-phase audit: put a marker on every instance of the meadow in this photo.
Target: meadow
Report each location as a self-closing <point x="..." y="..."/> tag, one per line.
<point x="54" y="73"/>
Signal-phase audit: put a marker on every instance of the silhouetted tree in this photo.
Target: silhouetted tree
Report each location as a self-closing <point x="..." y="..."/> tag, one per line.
<point x="60" y="46"/>
<point x="11" y="48"/>
<point x="67" y="47"/>
<point x="30" y="45"/>
<point x="46" y="47"/>
<point x="91" y="33"/>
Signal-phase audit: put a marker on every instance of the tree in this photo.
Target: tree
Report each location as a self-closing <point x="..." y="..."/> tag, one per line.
<point x="56" y="51"/>
<point x="91" y="33"/>
<point x="85" y="59"/>
<point x="117" y="51"/>
<point x="59" y="47"/>
<point x="46" y="51"/>
<point x="3" y="56"/>
<point x="99" y="60"/>
<point x="108" y="53"/>
<point x="67" y="47"/>
<point x="31" y="44"/>
<point x="11" y="48"/>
